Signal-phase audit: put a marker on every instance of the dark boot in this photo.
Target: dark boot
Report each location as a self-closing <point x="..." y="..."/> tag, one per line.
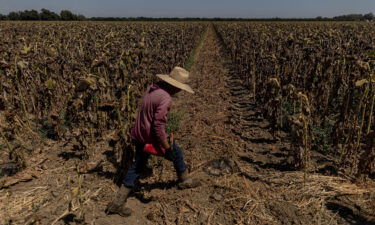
<point x="185" y="181"/>
<point x="117" y="206"/>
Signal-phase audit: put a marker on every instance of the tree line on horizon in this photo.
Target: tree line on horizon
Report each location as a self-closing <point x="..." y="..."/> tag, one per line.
<point x="66" y="15"/>
<point x="44" y="14"/>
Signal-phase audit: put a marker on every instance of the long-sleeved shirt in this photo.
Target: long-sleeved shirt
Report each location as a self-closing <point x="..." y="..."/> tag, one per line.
<point x="150" y="124"/>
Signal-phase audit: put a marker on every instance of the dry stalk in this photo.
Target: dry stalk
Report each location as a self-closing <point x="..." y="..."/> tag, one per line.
<point x="10" y="149"/>
<point x="74" y="208"/>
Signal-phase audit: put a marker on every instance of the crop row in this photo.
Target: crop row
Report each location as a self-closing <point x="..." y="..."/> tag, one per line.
<point x="316" y="80"/>
<point x="82" y="79"/>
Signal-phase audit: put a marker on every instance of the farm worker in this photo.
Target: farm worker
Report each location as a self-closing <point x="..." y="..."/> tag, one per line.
<point x="150" y="137"/>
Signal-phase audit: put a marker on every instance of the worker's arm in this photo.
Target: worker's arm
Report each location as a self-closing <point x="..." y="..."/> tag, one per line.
<point x="160" y="121"/>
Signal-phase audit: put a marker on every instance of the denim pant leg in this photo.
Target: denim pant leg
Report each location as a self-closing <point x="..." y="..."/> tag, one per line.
<point x="177" y="157"/>
<point x="136" y="168"/>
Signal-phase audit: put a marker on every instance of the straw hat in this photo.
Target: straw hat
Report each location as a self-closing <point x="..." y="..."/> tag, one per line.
<point x="178" y="78"/>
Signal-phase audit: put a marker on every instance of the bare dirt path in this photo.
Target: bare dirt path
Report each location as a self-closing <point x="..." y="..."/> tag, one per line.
<point x="246" y="178"/>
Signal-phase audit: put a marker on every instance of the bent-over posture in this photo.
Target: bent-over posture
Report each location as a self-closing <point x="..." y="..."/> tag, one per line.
<point x="149" y="136"/>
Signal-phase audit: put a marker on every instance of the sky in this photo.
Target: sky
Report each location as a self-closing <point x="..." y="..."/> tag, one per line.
<point x="197" y="8"/>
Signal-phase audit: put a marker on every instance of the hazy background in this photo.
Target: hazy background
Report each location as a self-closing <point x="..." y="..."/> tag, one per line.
<point x="197" y="8"/>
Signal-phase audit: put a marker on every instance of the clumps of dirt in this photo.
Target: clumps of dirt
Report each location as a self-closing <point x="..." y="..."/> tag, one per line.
<point x="220" y="167"/>
<point x="354" y="209"/>
<point x="288" y="213"/>
<point x="8" y="169"/>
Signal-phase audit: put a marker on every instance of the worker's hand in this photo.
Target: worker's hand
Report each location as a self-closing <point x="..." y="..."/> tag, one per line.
<point x="171" y="139"/>
<point x="168" y="142"/>
<point x="170" y="154"/>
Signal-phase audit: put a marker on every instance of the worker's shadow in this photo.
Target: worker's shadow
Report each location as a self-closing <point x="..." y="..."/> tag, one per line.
<point x="142" y="188"/>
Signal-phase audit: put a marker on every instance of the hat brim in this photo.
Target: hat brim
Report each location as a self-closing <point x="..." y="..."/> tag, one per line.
<point x="175" y="83"/>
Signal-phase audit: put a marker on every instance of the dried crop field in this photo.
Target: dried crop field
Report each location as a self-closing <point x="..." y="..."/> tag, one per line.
<point x="314" y="79"/>
<point x="59" y="78"/>
<point x="281" y="129"/>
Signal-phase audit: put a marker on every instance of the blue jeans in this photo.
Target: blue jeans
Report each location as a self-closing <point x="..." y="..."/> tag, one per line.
<point x="176" y="156"/>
